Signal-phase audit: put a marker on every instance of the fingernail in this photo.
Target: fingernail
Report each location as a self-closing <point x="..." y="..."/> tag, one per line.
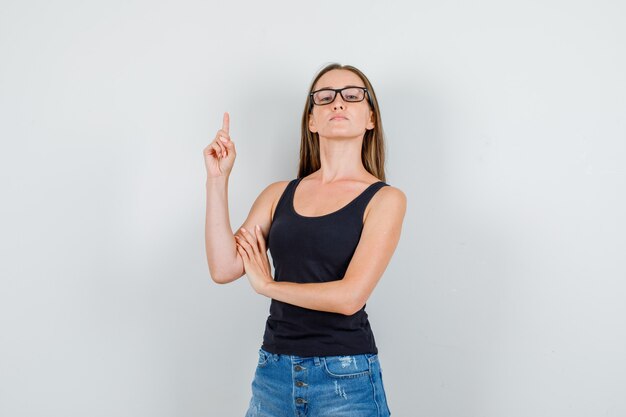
<point x="223" y="139"/>
<point x="243" y="229"/>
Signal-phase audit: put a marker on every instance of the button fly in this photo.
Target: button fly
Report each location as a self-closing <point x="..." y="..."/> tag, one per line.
<point x="298" y="368"/>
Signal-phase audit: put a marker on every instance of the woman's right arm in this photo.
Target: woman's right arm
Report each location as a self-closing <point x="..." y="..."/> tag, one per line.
<point x="225" y="263"/>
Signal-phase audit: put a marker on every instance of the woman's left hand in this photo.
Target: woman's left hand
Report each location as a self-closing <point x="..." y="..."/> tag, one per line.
<point x="256" y="263"/>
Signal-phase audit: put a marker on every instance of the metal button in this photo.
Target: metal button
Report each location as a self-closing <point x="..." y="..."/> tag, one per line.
<point x="298" y="368"/>
<point x="300" y="400"/>
<point x="300" y="384"/>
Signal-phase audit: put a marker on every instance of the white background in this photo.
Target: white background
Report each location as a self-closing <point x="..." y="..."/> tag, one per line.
<point x="506" y="130"/>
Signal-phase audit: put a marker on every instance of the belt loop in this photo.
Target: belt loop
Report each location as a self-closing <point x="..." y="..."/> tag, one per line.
<point x="316" y="359"/>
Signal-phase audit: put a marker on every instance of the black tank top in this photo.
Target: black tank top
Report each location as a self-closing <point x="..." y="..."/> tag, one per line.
<point x="316" y="249"/>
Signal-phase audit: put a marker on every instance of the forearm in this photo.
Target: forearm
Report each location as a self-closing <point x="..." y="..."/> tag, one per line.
<point x="221" y="251"/>
<point x="332" y="296"/>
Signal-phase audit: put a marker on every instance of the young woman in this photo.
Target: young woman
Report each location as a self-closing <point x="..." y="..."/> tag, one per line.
<point x="331" y="232"/>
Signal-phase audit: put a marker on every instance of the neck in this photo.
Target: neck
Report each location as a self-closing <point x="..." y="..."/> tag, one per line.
<point x="340" y="159"/>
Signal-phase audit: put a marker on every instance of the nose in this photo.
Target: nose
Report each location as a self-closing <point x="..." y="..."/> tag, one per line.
<point x="338" y="102"/>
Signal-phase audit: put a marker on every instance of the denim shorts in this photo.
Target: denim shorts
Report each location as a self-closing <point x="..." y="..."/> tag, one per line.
<point x="318" y="386"/>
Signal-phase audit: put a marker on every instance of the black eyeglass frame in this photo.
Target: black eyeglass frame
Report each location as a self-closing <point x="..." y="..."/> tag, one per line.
<point x="340" y="91"/>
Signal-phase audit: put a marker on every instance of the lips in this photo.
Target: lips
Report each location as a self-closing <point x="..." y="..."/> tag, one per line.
<point x="338" y="118"/>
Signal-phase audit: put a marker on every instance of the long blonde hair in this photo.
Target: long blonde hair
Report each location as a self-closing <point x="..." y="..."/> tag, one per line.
<point x="373" y="149"/>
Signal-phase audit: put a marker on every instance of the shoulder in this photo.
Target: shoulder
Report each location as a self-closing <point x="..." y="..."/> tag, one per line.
<point x="269" y="196"/>
<point x="389" y="195"/>
<point x="272" y="194"/>
<point x="387" y="201"/>
<point x="392" y="192"/>
<point x="276" y="189"/>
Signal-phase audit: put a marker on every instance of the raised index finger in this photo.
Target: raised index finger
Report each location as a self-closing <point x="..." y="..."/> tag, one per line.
<point x="226" y="122"/>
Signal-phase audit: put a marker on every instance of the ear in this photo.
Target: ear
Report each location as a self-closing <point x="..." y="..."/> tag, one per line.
<point x="312" y="124"/>
<point x="370" y="124"/>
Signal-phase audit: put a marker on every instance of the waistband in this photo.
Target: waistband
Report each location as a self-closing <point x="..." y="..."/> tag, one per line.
<point x="370" y="357"/>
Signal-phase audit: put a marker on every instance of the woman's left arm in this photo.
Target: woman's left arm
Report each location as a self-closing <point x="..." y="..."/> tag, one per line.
<point x="378" y="241"/>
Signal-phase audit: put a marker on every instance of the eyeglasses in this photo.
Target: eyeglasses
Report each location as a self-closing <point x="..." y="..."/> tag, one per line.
<point x="349" y="94"/>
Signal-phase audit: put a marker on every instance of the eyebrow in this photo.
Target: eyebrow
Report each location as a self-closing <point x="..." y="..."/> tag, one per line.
<point x="347" y="86"/>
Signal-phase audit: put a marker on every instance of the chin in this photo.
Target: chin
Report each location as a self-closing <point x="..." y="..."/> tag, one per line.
<point x="341" y="134"/>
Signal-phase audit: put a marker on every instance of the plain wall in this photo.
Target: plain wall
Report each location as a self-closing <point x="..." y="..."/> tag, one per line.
<point x="506" y="130"/>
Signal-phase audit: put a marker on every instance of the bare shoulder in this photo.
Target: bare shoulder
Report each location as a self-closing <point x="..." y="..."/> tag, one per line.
<point x="387" y="201"/>
<point x="391" y="192"/>
<point x="389" y="198"/>
<point x="262" y="210"/>
<point x="277" y="187"/>
<point x="274" y="191"/>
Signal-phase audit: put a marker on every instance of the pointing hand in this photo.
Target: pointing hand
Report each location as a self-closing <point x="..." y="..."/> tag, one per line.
<point x="219" y="155"/>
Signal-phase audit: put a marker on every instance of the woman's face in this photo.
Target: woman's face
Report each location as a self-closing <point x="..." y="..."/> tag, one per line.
<point x="341" y="118"/>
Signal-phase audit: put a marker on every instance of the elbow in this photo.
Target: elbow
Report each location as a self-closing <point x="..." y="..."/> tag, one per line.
<point x="217" y="279"/>
<point x="352" y="301"/>
<point x="225" y="273"/>
<point x="220" y="277"/>
<point x="352" y="306"/>
<point x="351" y="310"/>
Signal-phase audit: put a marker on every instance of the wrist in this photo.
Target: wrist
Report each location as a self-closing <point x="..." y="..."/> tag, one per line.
<point x="217" y="181"/>
<point x="266" y="290"/>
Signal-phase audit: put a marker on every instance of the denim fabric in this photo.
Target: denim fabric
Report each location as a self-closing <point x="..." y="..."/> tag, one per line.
<point x="318" y="386"/>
